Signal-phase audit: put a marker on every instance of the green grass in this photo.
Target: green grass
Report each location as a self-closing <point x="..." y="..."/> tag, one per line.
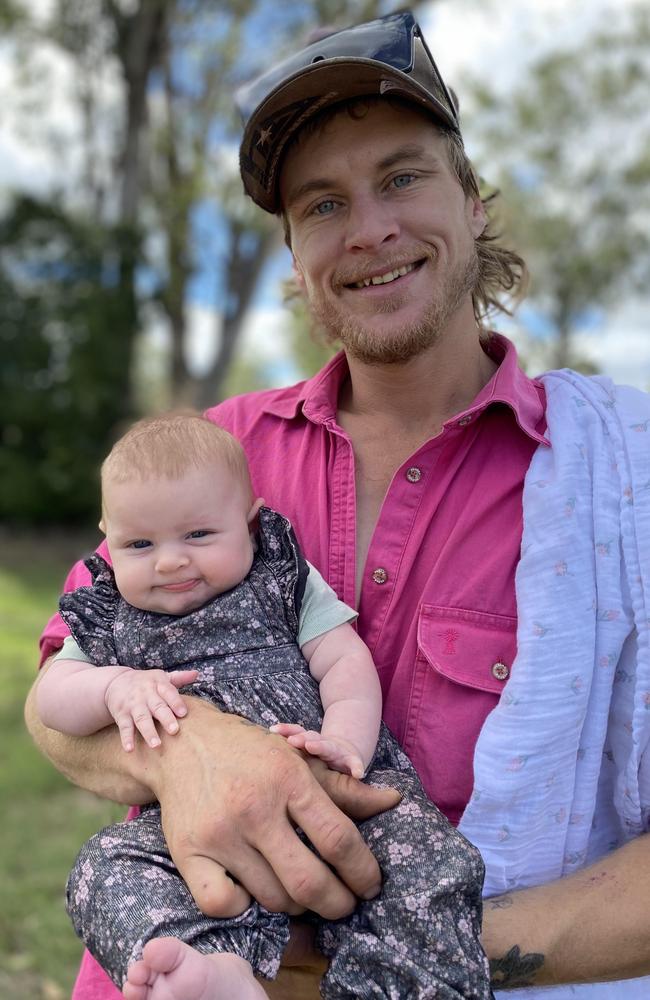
<point x="44" y="818"/>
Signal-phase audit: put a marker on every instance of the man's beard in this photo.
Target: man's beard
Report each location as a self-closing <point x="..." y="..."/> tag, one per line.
<point x="406" y="341"/>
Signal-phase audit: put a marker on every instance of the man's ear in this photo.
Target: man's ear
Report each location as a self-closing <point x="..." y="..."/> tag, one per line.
<point x="298" y="276"/>
<point x="477" y="219"/>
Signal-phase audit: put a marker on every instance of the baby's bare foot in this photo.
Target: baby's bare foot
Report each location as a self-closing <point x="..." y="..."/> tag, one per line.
<point x="171" y="970"/>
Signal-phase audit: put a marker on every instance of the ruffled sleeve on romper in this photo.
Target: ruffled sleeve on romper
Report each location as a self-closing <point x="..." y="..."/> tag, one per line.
<point x="279" y="548"/>
<point x="90" y="613"/>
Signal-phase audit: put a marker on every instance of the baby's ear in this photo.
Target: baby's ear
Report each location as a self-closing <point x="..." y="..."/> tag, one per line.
<point x="251" y="517"/>
<point x="253" y="521"/>
<point x="102" y="526"/>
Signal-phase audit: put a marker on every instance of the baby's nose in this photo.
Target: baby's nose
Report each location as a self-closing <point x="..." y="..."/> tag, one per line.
<point x="170" y="559"/>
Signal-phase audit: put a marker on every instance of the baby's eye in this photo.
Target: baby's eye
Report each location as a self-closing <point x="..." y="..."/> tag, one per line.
<point x="402" y="180"/>
<point x="140" y="543"/>
<point x="199" y="533"/>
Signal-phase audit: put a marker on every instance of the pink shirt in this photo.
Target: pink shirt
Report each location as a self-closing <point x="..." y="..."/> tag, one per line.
<point x="437" y="605"/>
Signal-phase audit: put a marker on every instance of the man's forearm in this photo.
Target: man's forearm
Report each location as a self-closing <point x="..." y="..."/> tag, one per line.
<point x="97" y="763"/>
<point x="590" y="927"/>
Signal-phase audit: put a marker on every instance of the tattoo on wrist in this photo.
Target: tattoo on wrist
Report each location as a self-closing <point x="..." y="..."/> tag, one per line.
<point x="500" y="902"/>
<point x="514" y="969"/>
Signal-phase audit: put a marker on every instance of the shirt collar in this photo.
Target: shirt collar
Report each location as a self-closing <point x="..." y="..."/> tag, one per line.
<point x="317" y="398"/>
<point x="509" y="385"/>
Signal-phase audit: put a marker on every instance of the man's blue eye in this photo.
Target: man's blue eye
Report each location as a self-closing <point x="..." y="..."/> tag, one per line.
<point x="141" y="543"/>
<point x="402" y="180"/>
<point x="324" y="207"/>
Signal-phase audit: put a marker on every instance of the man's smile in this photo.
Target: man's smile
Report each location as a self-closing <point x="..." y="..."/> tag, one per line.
<point x="386" y="277"/>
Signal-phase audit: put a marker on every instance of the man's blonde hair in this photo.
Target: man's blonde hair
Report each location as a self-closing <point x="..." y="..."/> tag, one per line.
<point x="170" y="445"/>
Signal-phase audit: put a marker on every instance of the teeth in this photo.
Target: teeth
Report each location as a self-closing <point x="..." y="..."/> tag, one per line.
<point x="384" y="279"/>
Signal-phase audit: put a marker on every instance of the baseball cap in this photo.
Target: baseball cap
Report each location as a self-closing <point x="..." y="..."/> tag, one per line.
<point x="388" y="56"/>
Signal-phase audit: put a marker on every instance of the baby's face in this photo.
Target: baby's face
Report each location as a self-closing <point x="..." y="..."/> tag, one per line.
<point x="177" y="543"/>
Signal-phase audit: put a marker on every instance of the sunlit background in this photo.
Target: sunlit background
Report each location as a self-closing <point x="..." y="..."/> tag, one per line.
<point x="134" y="277"/>
<point x="137" y="277"/>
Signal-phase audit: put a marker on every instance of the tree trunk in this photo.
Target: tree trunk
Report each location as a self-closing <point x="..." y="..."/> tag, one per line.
<point x="244" y="270"/>
<point x="139" y="43"/>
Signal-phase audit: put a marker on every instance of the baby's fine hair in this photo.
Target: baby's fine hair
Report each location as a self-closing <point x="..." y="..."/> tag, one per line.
<point x="170" y="445"/>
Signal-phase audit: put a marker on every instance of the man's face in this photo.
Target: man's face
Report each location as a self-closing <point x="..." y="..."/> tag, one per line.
<point x="381" y="232"/>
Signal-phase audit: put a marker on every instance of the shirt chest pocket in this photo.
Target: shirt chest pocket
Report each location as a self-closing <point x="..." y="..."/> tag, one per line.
<point x="463" y="661"/>
<point x="470" y="648"/>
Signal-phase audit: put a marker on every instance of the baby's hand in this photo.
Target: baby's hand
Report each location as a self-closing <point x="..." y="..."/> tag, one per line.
<point x="339" y="754"/>
<point x="136" y="697"/>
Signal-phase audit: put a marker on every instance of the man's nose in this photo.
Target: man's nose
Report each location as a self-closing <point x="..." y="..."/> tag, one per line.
<point x="170" y="558"/>
<point x="370" y="224"/>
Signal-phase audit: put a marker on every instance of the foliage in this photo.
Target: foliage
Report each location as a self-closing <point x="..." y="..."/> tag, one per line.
<point x="65" y="329"/>
<point x="310" y="346"/>
<point x="572" y="150"/>
<point x="166" y="159"/>
<point x="147" y="208"/>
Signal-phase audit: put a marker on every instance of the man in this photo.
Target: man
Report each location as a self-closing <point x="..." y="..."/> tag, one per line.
<point x="402" y="466"/>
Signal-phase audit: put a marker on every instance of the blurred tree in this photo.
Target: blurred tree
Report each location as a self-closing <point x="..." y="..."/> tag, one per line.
<point x="197" y="131"/>
<point x="147" y="180"/>
<point x="93" y="33"/>
<point x="11" y="13"/>
<point x="159" y="159"/>
<point x="69" y="269"/>
<point x="570" y="151"/>
<point x="146" y="195"/>
<point x="64" y="332"/>
<point x="309" y="343"/>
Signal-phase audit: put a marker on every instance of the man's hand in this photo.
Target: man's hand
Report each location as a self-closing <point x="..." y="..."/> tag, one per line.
<point x="232" y="794"/>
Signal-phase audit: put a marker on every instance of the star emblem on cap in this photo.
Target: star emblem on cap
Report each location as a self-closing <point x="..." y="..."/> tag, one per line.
<point x="265" y="135"/>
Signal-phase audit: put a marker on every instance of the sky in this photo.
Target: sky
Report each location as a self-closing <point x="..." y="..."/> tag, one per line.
<point x="484" y="37"/>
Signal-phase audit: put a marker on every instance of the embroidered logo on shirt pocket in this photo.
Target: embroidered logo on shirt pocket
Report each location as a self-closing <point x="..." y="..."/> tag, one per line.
<point x="468" y="647"/>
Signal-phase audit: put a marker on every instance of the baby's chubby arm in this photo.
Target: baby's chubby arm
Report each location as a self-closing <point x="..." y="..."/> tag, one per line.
<point x="78" y="698"/>
<point x="351" y="695"/>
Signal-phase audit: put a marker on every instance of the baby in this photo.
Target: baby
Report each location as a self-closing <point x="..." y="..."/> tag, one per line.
<point x="209" y="592"/>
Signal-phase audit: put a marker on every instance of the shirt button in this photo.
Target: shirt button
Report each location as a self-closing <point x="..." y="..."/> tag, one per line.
<point x="379" y="575"/>
<point x="414" y="475"/>
<point x="464" y="420"/>
<point x="500" y="671"/>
